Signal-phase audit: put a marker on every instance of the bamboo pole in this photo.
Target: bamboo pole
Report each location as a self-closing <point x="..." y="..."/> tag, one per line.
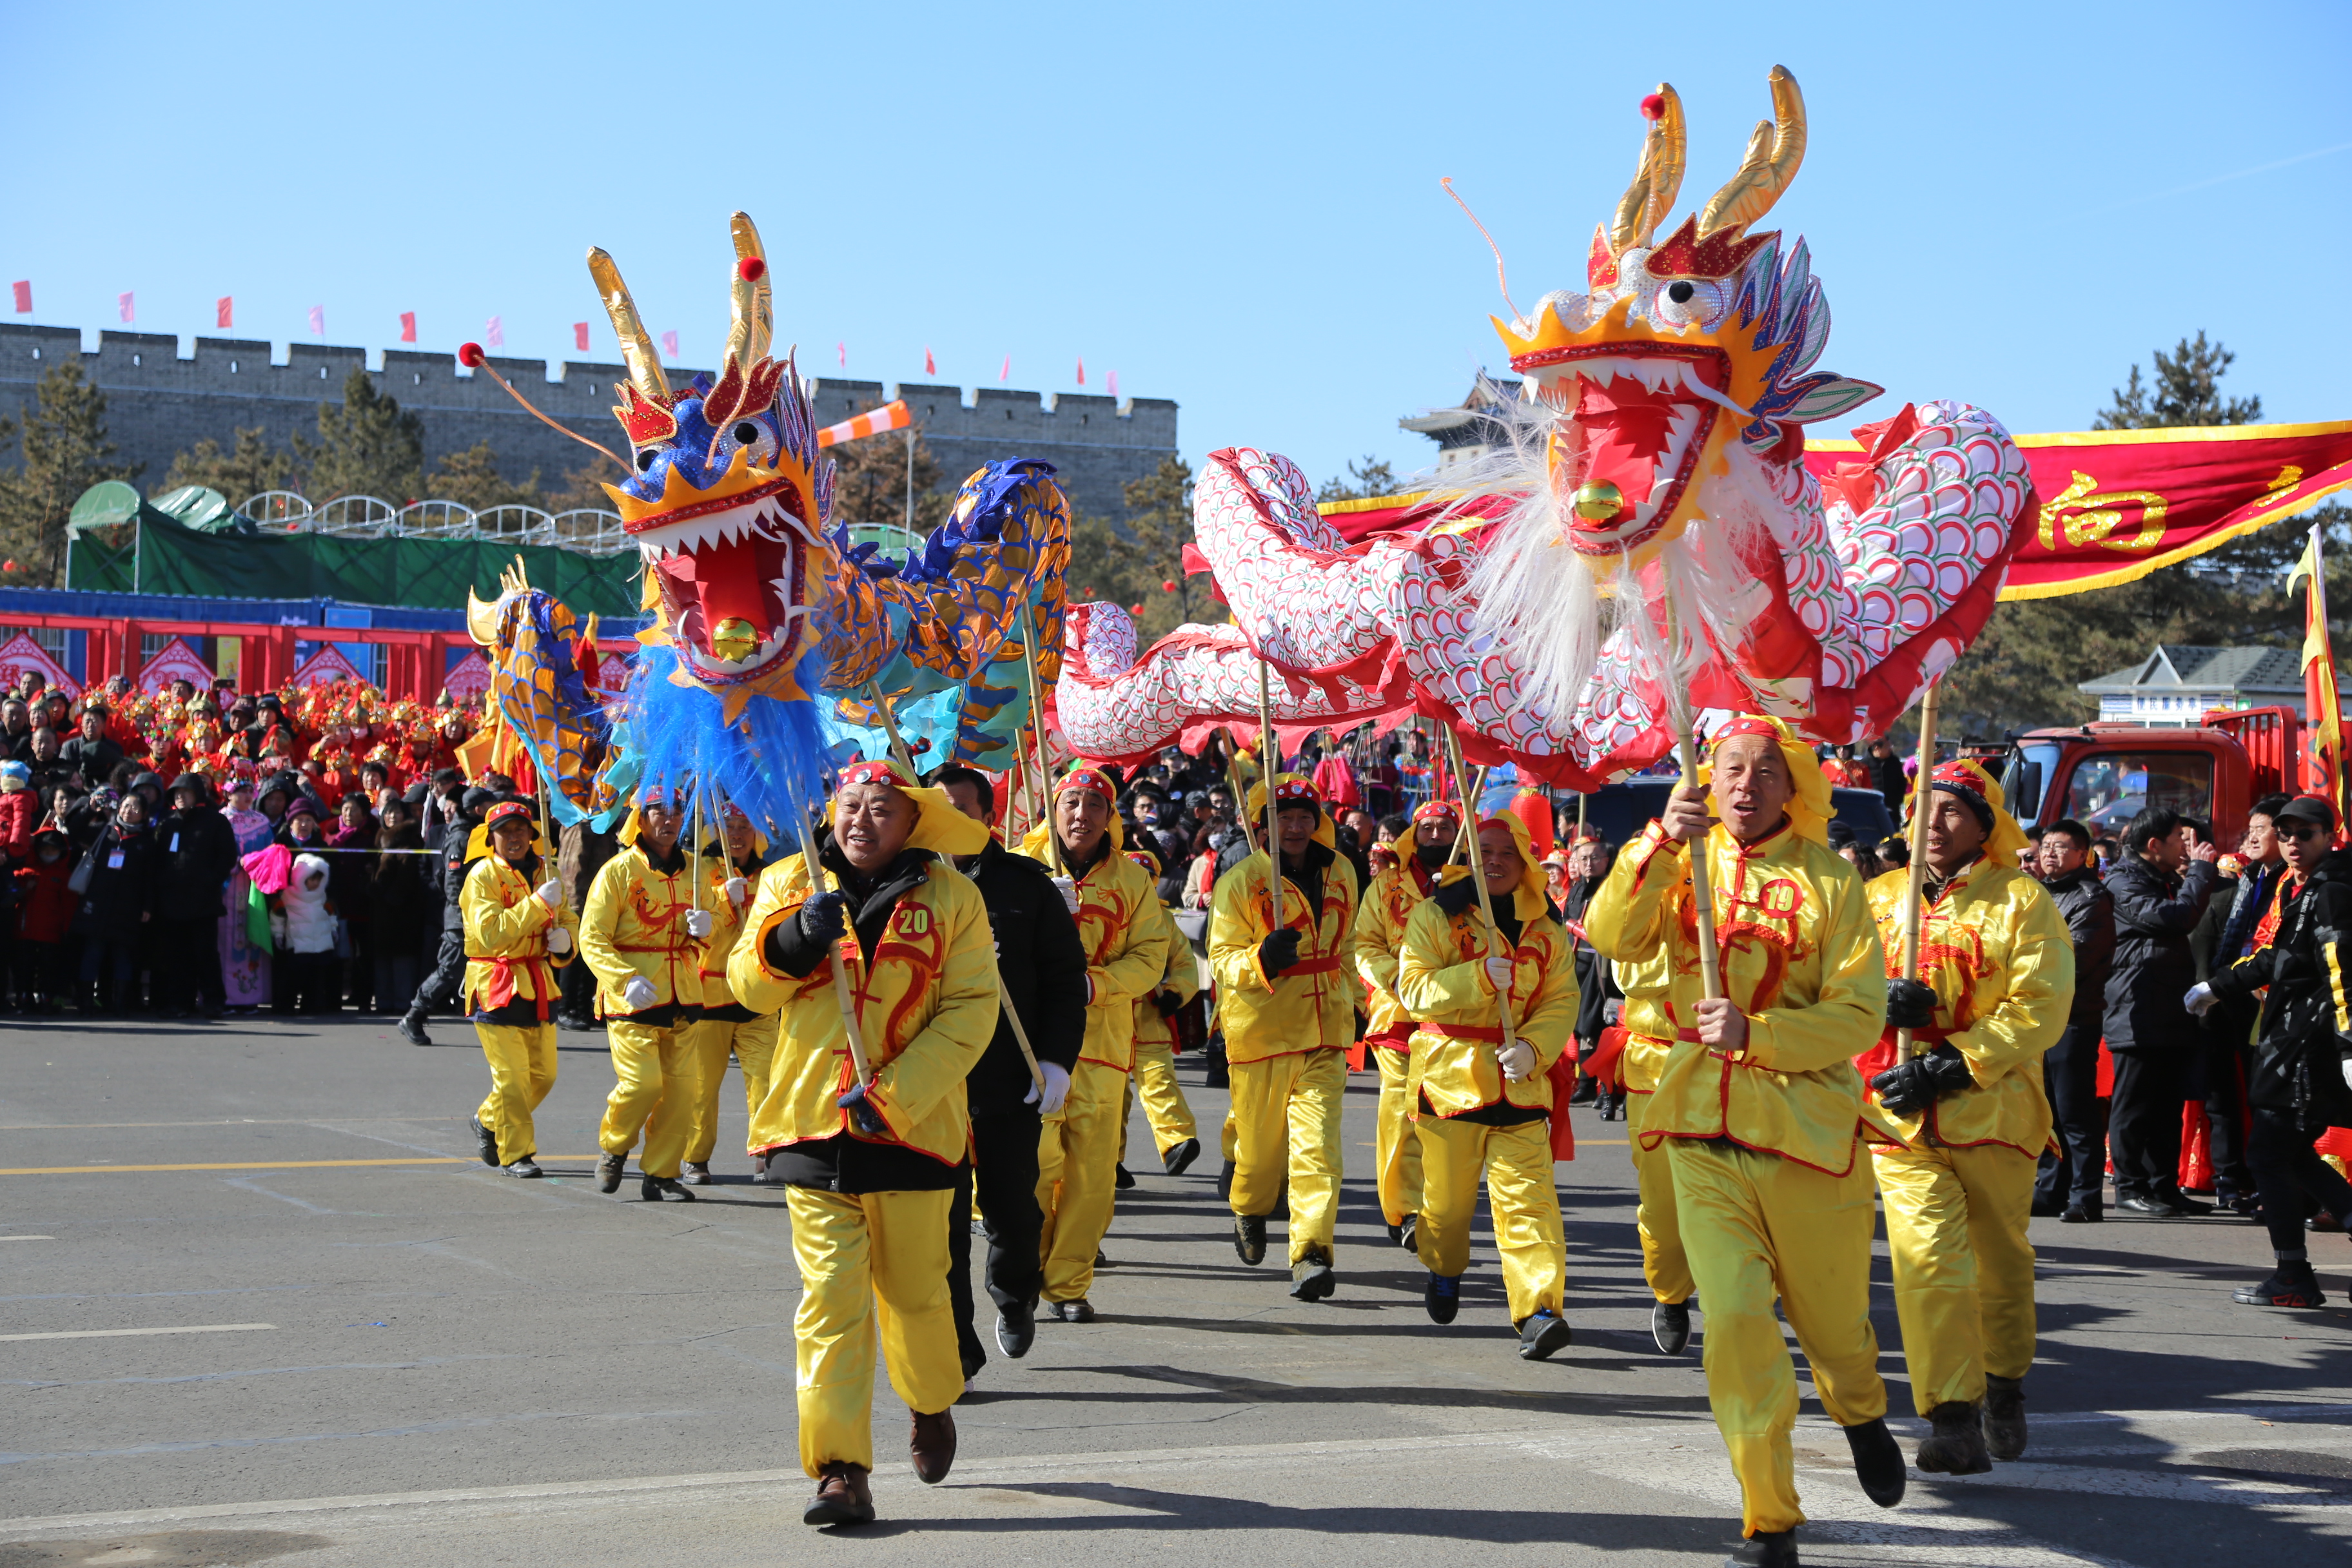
<point x="1268" y="760"/>
<point x="1037" y="728"/>
<point x="842" y="996"/>
<point x="1710" y="962"/>
<point x="1915" y="884"/>
<point x="1478" y="880"/>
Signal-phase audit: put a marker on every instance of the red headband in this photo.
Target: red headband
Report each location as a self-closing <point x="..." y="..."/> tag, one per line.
<point x="884" y="771"/>
<point x="1745" y="724"/>
<point x="1434" y="811"/>
<point x="1088" y="779"/>
<point x="1145" y="858"/>
<point x="1298" y="789"/>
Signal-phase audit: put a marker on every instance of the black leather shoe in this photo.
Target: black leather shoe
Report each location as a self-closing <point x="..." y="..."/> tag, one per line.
<point x="1396" y="1236"/>
<point x="485" y="1143"/>
<point x="1225" y="1183"/>
<point x="1957" y="1445"/>
<point x="2245" y="1205"/>
<point x="608" y="1173"/>
<point x="1877" y="1462"/>
<point x="2046" y="1208"/>
<point x="412" y="1030"/>
<point x="1016" y="1329"/>
<point x="2186" y="1205"/>
<point x="527" y="1168"/>
<point x="2004" y="1416"/>
<point x="1766" y="1548"/>
<point x="1311" y="1278"/>
<point x="1249" y="1237"/>
<point x="1670" y="1327"/>
<point x="1441" y="1296"/>
<point x="1544" y="1335"/>
<point x="2082" y="1214"/>
<point x="1121" y="1178"/>
<point x="1179" y="1159"/>
<point x="2149" y="1208"/>
<point x="664" y="1190"/>
<point x="2290" y="1285"/>
<point x="1078" y="1312"/>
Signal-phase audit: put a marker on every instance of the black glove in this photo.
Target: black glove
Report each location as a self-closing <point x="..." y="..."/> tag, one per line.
<point x="825" y="917"/>
<point x="1910" y="1004"/>
<point x="1277" y="952"/>
<point x="1167" y="1002"/>
<point x="1455" y="896"/>
<point x="1908" y="1088"/>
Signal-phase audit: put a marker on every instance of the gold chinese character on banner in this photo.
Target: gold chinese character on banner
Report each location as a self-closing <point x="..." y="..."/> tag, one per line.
<point x="2090" y="518"/>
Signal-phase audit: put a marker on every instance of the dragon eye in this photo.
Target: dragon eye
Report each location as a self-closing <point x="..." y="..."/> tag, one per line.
<point x="645" y="459"/>
<point x="746" y="433"/>
<point x="1681" y="290"/>
<point x="1688" y="302"/>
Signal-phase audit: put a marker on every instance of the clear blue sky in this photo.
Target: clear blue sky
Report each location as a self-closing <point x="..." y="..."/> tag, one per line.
<point x="1234" y="206"/>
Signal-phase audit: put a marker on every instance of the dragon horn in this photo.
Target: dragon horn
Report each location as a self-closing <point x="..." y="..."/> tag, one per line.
<point x="1775" y="149"/>
<point x="753" y="330"/>
<point x="1656" y="180"/>
<point x="637" y="349"/>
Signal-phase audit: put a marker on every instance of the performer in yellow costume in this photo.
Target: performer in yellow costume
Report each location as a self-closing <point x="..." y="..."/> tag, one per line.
<point x="1120" y="920"/>
<point x="1396" y="890"/>
<point x="1760" y="1108"/>
<point x="1173" y="1132"/>
<point x="726" y="1028"/>
<point x="1287" y="991"/>
<point x="1482" y="1100"/>
<point x="514" y="925"/>
<point x="870" y="1169"/>
<point x="1996" y="979"/>
<point x="1649" y="1041"/>
<point x="643" y="936"/>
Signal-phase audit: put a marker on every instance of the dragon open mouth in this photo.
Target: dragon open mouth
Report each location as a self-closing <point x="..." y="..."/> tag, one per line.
<point x="1636" y="416"/>
<point x="733" y="580"/>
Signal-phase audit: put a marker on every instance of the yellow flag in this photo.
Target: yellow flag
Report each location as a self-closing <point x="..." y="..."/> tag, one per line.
<point x="2322" y="713"/>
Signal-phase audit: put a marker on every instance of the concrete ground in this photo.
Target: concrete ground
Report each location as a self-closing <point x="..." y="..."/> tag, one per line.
<point x="259" y="1304"/>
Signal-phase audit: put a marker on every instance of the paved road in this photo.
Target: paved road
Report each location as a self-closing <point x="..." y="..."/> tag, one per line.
<point x="279" y="1315"/>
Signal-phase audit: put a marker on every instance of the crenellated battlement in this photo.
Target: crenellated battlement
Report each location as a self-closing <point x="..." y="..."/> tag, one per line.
<point x="159" y="402"/>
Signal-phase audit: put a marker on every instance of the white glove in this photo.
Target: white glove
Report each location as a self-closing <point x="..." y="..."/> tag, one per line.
<point x="559" y="941"/>
<point x="737" y="889"/>
<point x="1517" y="1059"/>
<point x="2348" y="1072"/>
<point x="1499" y="974"/>
<point x="1057" y="1088"/>
<point x="697" y="924"/>
<point x="2200" y="999"/>
<point x="550" y="893"/>
<point x="1069" y="888"/>
<point x="638" y="993"/>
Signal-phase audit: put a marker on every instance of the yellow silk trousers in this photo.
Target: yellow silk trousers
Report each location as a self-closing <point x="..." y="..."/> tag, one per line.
<point x="1663" y="1264"/>
<point x="1516" y="1164"/>
<point x="752" y="1042"/>
<point x="655" y="1094"/>
<point x="877" y="1262"/>
<point x="1164" y="1105"/>
<point x="1756" y="1225"/>
<point x="522" y="1070"/>
<point x="1285" y="1120"/>
<point x="1956" y="1228"/>
<point x="1396" y="1144"/>
<point x="1077" y="1160"/>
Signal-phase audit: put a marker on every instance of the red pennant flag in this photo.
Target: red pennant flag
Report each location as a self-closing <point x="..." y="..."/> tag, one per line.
<point x="24" y="297"/>
<point x="669" y="345"/>
<point x="841" y="353"/>
<point x="495" y="333"/>
<point x="1082" y="370"/>
<point x="580" y="336"/>
<point x="1006" y="373"/>
<point x="225" y="313"/>
<point x="1114" y="383"/>
<point x="929" y="367"/>
<point x="122" y="303"/>
<point x="319" y="321"/>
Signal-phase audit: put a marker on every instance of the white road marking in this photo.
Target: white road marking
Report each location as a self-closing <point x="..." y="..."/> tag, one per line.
<point x="129" y="1333"/>
<point x="27" y="1238"/>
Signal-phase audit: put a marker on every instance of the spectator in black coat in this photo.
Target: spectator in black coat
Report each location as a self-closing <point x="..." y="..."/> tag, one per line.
<point x="197" y="852"/>
<point x="1886" y="774"/>
<point x="116" y="908"/>
<point x="404" y="894"/>
<point x="16" y="730"/>
<point x="1044" y="969"/>
<point x="439" y="988"/>
<point x="2160" y="884"/>
<point x="93" y="753"/>
<point x="2072" y="1182"/>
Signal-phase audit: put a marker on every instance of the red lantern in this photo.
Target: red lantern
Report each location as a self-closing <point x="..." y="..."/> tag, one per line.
<point x="1168" y="585"/>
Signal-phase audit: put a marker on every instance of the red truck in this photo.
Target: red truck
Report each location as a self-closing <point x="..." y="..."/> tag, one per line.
<point x="2103" y="775"/>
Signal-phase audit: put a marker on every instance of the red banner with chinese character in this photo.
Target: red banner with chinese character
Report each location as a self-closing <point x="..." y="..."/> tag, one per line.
<point x="2116" y="504"/>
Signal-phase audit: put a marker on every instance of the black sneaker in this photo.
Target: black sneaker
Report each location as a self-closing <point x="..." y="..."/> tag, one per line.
<point x="1249" y="1237"/>
<point x="412" y="1030"/>
<point x="1225" y="1183"/>
<point x="1179" y="1159"/>
<point x="1311" y="1278"/>
<point x="2083" y="1213"/>
<point x="1408" y="1232"/>
<point x="485" y="1143"/>
<point x="1121" y="1178"/>
<point x="1016" y="1329"/>
<point x="1766" y="1548"/>
<point x="526" y="1167"/>
<point x="1956" y="1444"/>
<point x="664" y="1190"/>
<point x="1078" y="1312"/>
<point x="2289" y="1285"/>
<point x="1670" y="1327"/>
<point x="1877" y="1462"/>
<point x="608" y="1173"/>
<point x="1441" y="1296"/>
<point x="1545" y="1335"/>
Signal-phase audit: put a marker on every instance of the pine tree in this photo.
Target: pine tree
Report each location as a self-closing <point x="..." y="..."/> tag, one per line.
<point x="1158" y="525"/>
<point x="2187" y="392"/>
<point x="252" y="468"/>
<point x="870" y="481"/>
<point x="472" y="480"/>
<point x="1363" y="482"/>
<point x="65" y="452"/>
<point x="366" y="447"/>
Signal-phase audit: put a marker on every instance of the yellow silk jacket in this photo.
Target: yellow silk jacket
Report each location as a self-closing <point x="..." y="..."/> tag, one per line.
<point x="927" y="1008"/>
<point x="1119" y="924"/>
<point x="1181" y="973"/>
<point x="726" y="929"/>
<point x="1649" y="1035"/>
<point x="1800" y="959"/>
<point x="635" y="924"/>
<point x="1387" y="905"/>
<point x="1442" y="982"/>
<point x="2002" y="962"/>
<point x="1310" y="1005"/>
<point x="506" y="938"/>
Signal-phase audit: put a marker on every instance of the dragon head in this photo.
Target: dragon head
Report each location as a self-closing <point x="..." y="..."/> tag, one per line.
<point x="730" y="496"/>
<point x="1682" y="345"/>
